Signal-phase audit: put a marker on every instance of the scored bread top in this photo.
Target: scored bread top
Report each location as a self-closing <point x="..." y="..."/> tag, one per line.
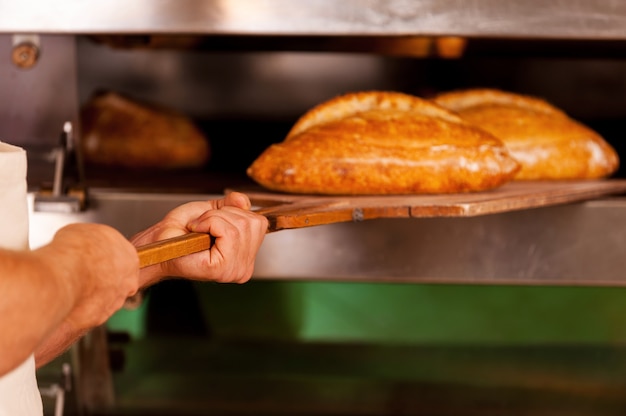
<point x="547" y="143"/>
<point x="358" y="102"/>
<point x="461" y="100"/>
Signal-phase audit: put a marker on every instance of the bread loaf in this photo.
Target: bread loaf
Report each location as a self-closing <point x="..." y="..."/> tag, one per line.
<point x="543" y="139"/>
<point x="358" y="102"/>
<point x="119" y="131"/>
<point x="378" y="143"/>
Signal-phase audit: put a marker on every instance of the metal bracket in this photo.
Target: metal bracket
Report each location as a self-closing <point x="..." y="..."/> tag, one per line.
<point x="60" y="199"/>
<point x="58" y="390"/>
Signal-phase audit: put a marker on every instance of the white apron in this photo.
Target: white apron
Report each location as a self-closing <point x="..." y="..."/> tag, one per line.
<point x="19" y="394"/>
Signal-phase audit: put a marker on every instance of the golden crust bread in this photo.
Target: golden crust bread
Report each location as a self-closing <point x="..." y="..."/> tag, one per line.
<point x="413" y="150"/>
<point x="358" y="102"/>
<point x="118" y="131"/>
<point x="544" y="140"/>
<point x="458" y="101"/>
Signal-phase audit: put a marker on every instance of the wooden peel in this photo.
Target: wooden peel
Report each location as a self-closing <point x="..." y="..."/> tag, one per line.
<point x="161" y="251"/>
<point x="172" y="248"/>
<point x="298" y="211"/>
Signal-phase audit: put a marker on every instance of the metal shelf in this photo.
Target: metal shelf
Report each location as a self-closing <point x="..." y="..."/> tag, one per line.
<point x="574" y="19"/>
<point x="574" y="244"/>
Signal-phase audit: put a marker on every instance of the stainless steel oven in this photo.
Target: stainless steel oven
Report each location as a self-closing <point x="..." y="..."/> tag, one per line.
<point x="244" y="70"/>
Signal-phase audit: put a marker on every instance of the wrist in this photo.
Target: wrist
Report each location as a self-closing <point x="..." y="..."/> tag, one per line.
<point x="62" y="270"/>
<point x="151" y="275"/>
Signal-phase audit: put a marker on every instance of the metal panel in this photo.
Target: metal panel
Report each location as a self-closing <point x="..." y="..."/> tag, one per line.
<point x="36" y="102"/>
<point x="573" y="19"/>
<point x="578" y="244"/>
<point x="569" y="244"/>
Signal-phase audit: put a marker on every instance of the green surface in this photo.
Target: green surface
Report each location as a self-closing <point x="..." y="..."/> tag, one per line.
<point x="389" y="313"/>
<point x="274" y="378"/>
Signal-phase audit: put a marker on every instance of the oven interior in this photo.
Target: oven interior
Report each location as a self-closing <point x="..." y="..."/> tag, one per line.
<point x="320" y="330"/>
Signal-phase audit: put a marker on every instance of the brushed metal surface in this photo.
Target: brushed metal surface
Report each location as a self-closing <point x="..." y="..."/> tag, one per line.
<point x="36" y="102"/>
<point x="570" y="244"/>
<point x="575" y="244"/>
<point x="575" y="19"/>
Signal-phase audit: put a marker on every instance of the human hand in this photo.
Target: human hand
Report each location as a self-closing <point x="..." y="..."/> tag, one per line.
<point x="238" y="234"/>
<point x="102" y="271"/>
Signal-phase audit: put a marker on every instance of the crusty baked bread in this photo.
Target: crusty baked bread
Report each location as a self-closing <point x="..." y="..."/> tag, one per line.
<point x="378" y="143"/>
<point x="119" y="131"/>
<point x="358" y="102"/>
<point x="544" y="140"/>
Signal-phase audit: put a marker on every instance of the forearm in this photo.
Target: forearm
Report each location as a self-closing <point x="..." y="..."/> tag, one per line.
<point x="65" y="335"/>
<point x="36" y="297"/>
<point x="59" y="341"/>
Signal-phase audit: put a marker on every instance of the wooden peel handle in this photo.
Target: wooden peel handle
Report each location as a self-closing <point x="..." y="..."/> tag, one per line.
<point x="160" y="251"/>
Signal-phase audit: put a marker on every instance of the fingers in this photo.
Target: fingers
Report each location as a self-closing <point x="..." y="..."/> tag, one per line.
<point x="238" y="236"/>
<point x="238" y="233"/>
<point x="186" y="213"/>
<point x="237" y="199"/>
<point x="202" y="222"/>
